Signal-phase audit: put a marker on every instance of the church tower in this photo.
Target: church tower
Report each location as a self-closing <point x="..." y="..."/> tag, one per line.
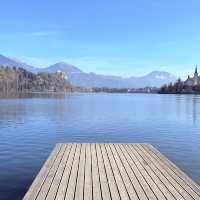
<point x="196" y="76"/>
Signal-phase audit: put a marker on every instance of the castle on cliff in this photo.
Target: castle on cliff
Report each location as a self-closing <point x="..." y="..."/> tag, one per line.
<point x="195" y="80"/>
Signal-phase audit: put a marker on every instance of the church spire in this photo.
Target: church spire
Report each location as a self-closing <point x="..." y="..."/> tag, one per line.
<point x="196" y="77"/>
<point x="196" y="71"/>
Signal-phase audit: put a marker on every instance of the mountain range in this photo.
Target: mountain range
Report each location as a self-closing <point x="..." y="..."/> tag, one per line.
<point x="80" y="78"/>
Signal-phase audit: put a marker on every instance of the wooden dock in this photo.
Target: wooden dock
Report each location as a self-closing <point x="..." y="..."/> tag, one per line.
<point x="110" y="171"/>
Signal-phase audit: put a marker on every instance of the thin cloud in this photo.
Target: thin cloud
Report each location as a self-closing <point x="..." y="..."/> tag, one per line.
<point x="43" y="33"/>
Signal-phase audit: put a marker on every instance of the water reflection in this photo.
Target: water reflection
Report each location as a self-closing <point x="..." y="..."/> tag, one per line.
<point x="188" y="106"/>
<point x="26" y="108"/>
<point x="33" y="95"/>
<point x="32" y="124"/>
<point x="195" y="108"/>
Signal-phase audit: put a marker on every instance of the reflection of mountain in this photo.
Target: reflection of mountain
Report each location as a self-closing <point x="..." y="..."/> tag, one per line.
<point x="80" y="78"/>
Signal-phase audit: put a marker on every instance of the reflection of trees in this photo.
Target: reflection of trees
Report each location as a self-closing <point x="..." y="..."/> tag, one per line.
<point x="194" y="109"/>
<point x="192" y="106"/>
<point x="175" y="88"/>
<point x="38" y="106"/>
<point x="180" y="88"/>
<point x="187" y="106"/>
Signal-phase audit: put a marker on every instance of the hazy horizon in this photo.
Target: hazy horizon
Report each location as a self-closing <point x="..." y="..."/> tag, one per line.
<point x="115" y="38"/>
<point x="184" y="76"/>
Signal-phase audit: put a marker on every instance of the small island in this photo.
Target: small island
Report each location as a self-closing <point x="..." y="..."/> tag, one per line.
<point x="190" y="86"/>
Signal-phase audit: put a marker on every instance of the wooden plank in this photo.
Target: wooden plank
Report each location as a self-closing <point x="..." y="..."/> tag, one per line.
<point x="40" y="178"/>
<point x="141" y="186"/>
<point x="118" y="177"/>
<point x="110" y="175"/>
<point x="156" y="190"/>
<point x="129" y="189"/>
<point x="66" y="175"/>
<point x="181" y="186"/>
<point x="47" y="184"/>
<point x="71" y="189"/>
<point x="153" y="175"/>
<point x="137" y="180"/>
<point x="171" y="166"/>
<point x="81" y="175"/>
<point x="110" y="171"/>
<point x="105" y="189"/>
<point x="88" y="174"/>
<point x="95" y="175"/>
<point x="58" y="176"/>
<point x="174" y="188"/>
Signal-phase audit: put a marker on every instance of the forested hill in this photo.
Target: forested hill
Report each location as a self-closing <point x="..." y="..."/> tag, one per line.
<point x="14" y="80"/>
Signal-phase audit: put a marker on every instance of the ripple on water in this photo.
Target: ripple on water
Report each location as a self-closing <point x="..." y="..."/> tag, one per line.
<point x="30" y="127"/>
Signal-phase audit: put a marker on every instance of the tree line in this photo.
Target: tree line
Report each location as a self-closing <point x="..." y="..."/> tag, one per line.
<point x="14" y="80"/>
<point x="180" y="87"/>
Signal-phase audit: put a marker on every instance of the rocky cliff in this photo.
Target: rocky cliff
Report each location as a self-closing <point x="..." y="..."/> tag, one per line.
<point x="14" y="80"/>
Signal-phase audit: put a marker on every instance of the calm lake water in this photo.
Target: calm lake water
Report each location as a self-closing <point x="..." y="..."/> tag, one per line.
<point x="30" y="127"/>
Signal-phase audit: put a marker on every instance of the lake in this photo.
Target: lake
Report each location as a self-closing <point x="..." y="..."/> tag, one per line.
<point x="30" y="126"/>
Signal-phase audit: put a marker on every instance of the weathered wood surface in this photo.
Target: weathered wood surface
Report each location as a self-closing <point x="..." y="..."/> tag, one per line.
<point x="110" y="171"/>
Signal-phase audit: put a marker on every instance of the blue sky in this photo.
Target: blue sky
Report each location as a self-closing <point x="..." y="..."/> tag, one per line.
<point x="119" y="37"/>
